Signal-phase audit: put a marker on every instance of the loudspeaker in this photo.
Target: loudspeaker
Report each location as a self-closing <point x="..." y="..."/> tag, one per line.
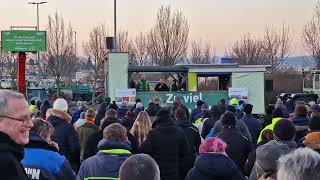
<point x="110" y="42"/>
<point x="269" y="85"/>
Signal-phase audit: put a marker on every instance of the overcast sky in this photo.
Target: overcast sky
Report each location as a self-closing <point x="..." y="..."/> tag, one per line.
<point x="219" y="21"/>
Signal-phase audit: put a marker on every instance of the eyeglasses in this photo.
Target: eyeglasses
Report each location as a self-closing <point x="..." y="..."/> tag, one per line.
<point x="25" y="122"/>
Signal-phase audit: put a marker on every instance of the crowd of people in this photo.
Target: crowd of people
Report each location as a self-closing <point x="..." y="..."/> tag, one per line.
<point x="225" y="142"/>
<point x="143" y="85"/>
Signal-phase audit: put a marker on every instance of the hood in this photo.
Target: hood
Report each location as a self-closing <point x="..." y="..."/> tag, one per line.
<point x="9" y="146"/>
<point x="37" y="142"/>
<point x="291" y="144"/>
<point x="216" y="166"/>
<point x="183" y="123"/>
<point x="60" y="114"/>
<point x="163" y="121"/>
<point x="312" y="140"/>
<point x="106" y="144"/>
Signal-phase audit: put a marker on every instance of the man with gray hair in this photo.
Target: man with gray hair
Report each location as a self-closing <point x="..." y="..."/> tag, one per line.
<point x="139" y="166"/>
<point x="302" y="164"/>
<point x="15" y="124"/>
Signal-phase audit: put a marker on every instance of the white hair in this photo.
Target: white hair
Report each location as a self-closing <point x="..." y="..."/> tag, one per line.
<point x="302" y="164"/>
<point x="139" y="166"/>
<point x="5" y="95"/>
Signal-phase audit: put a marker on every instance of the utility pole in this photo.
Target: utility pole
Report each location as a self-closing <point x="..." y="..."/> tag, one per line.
<point x="115" y="25"/>
<point x="38" y="53"/>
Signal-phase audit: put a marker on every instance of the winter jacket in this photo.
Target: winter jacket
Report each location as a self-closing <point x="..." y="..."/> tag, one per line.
<point x="84" y="131"/>
<point x="143" y="85"/>
<point x="240" y="125"/>
<point x="76" y="115"/>
<point x="93" y="140"/>
<point x="270" y="126"/>
<point x="107" y="162"/>
<point x="137" y="110"/>
<point x="101" y="112"/>
<point x="161" y="87"/>
<point x="253" y="126"/>
<point x="195" y="112"/>
<point x="191" y="133"/>
<point x="42" y="161"/>
<point x="238" y="146"/>
<point x="301" y="124"/>
<point x="122" y="111"/>
<point x="200" y="115"/>
<point x="214" y="166"/>
<point x="10" y="156"/>
<point x="169" y="147"/>
<point x="66" y="136"/>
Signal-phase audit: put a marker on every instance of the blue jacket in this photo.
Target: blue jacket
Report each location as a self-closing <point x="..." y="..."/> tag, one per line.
<point x="209" y="166"/>
<point x="122" y="111"/>
<point x="195" y="112"/>
<point x="41" y="161"/>
<point x="300" y="121"/>
<point x="76" y="115"/>
<point x="107" y="162"/>
<point x="254" y="127"/>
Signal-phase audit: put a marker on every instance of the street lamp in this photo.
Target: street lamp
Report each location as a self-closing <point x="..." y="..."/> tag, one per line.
<point x="75" y="43"/>
<point x="37" y="3"/>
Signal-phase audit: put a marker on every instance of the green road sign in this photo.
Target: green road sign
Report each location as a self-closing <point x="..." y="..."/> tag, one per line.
<point x="23" y="41"/>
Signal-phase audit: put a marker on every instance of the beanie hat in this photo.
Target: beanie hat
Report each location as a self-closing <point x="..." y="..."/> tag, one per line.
<point x="284" y="130"/>
<point x="199" y="103"/>
<point x="60" y="104"/>
<point x="163" y="113"/>
<point x="312" y="140"/>
<point x="234" y="101"/>
<point x="267" y="156"/>
<point x="231" y="108"/>
<point x="314" y="123"/>
<point x="228" y="119"/>
<point x="212" y="145"/>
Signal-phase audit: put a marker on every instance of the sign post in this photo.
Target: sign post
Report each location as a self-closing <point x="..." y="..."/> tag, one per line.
<point x="22" y="73"/>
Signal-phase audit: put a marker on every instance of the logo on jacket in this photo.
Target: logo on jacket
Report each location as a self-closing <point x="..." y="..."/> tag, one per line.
<point x="33" y="173"/>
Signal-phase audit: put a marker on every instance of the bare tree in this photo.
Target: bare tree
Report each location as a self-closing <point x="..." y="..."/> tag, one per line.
<point x="311" y="35"/>
<point x="168" y="39"/>
<point x="249" y="50"/>
<point x="140" y="52"/>
<point x="60" y="49"/>
<point x="124" y="44"/>
<point x="277" y="47"/>
<point x="9" y="66"/>
<point x="96" y="50"/>
<point x="200" y="54"/>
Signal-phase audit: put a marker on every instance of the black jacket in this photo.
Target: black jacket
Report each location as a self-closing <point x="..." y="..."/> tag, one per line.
<point x="93" y="140"/>
<point x="168" y="145"/>
<point x="10" y="156"/>
<point x="214" y="166"/>
<point x="161" y="87"/>
<point x="43" y="161"/>
<point x="192" y="134"/>
<point x="101" y="112"/>
<point x="238" y="146"/>
<point x="67" y="138"/>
